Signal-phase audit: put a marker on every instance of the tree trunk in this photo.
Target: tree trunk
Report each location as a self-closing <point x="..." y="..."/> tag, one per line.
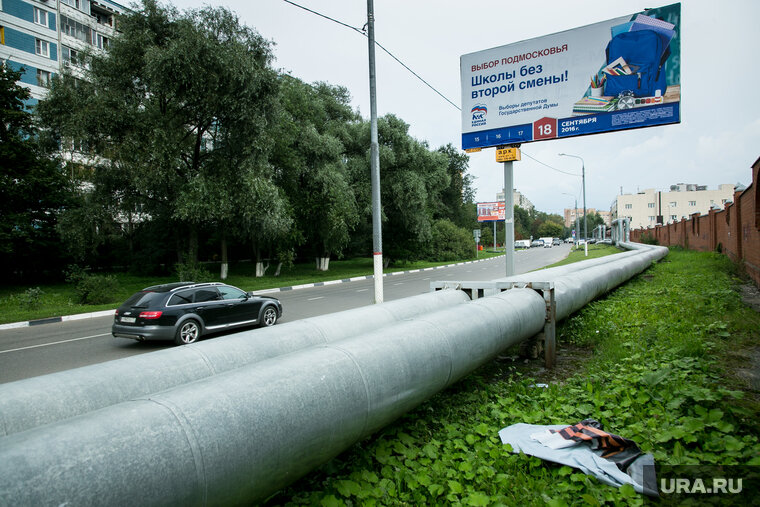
<point x="192" y="246"/>
<point x="261" y="269"/>
<point x="223" y="274"/>
<point x="323" y="263"/>
<point x="279" y="266"/>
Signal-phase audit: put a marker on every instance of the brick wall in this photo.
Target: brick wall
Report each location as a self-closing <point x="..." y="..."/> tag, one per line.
<point x="735" y="229"/>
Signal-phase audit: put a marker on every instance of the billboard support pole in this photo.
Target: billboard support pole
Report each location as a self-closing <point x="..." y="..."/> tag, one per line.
<point x="509" y="218"/>
<point x="494" y="235"/>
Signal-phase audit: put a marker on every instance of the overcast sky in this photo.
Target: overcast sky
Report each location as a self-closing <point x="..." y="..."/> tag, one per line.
<point x="716" y="142"/>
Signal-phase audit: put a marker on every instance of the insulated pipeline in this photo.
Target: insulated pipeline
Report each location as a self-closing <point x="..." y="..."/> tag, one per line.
<point x="238" y="436"/>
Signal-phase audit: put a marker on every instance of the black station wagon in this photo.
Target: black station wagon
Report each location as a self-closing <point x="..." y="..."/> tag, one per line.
<point x="184" y="311"/>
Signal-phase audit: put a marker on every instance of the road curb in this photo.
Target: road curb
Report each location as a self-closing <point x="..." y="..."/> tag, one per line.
<point x="106" y="313"/>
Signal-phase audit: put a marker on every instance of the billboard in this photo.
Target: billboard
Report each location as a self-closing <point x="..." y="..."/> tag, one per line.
<point x="490" y="211"/>
<point x="619" y="74"/>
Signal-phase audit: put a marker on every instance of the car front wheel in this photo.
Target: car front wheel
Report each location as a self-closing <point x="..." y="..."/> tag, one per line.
<point x="188" y="332"/>
<point x="269" y="318"/>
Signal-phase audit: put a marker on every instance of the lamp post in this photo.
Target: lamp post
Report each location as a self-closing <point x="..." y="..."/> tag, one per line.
<point x="583" y="176"/>
<point x="377" y="228"/>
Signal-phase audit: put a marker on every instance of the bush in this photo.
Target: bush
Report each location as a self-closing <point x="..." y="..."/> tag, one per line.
<point x="451" y="243"/>
<point x="192" y="272"/>
<point x="30" y="299"/>
<point x="92" y="289"/>
<point x="648" y="239"/>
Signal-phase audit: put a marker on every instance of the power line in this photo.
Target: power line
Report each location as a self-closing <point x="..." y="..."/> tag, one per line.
<point x="361" y="31"/>
<point x="547" y="165"/>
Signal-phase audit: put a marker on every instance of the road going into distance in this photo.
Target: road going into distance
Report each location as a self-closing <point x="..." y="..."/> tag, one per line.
<point x="37" y="350"/>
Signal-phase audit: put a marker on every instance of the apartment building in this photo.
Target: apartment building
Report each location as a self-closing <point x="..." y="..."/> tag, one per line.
<point x="520" y="200"/>
<point x="651" y="207"/>
<point x="43" y="36"/>
<point x="570" y="214"/>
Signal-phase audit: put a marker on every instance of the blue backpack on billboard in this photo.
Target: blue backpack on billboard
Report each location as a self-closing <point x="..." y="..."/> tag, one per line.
<point x="643" y="54"/>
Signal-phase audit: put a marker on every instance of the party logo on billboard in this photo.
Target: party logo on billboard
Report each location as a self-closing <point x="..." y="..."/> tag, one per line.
<point x="479" y="112"/>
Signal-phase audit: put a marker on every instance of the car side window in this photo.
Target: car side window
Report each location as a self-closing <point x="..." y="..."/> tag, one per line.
<point x="231" y="293"/>
<point x="181" y="298"/>
<point x="207" y="294"/>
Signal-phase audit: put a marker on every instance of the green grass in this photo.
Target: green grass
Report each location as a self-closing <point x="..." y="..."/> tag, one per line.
<point x="660" y="352"/>
<point x="22" y="303"/>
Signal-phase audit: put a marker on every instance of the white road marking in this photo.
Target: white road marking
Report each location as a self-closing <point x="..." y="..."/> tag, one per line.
<point x="314" y="299"/>
<point x="55" y="343"/>
<point x="362" y="290"/>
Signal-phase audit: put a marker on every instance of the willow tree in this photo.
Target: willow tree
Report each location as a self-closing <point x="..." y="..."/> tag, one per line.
<point x="311" y="163"/>
<point x="180" y="105"/>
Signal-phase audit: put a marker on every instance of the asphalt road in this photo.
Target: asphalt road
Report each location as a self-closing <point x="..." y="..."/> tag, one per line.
<point x="38" y="350"/>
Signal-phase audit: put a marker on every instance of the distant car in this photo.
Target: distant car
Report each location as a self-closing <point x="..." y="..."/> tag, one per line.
<point x="556" y="242"/>
<point x="185" y="311"/>
<point x="522" y="243"/>
<point x="569" y="240"/>
<point x="537" y="243"/>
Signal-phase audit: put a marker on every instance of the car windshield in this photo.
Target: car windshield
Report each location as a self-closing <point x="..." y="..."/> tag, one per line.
<point x="142" y="299"/>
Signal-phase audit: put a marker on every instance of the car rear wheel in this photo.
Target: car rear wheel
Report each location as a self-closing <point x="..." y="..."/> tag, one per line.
<point x="269" y="318"/>
<point x="188" y="332"/>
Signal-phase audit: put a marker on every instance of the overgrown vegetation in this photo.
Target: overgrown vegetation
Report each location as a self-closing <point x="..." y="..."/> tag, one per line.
<point x="92" y="289"/>
<point x="659" y="351"/>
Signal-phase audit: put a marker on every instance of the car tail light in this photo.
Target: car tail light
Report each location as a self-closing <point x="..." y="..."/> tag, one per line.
<point x="116" y="313"/>
<point x="150" y="315"/>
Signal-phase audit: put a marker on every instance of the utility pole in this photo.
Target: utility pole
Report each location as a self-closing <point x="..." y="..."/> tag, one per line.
<point x="377" y="226"/>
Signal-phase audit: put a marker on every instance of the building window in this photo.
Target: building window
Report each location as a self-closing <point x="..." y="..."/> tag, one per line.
<point x="651" y="218"/>
<point x="650" y="205"/>
<point x="72" y="56"/>
<point x="73" y="3"/>
<point x="723" y="201"/>
<point x="40" y="16"/>
<point x="629" y="206"/>
<point x="673" y="204"/>
<point x="101" y="41"/>
<point x="42" y="47"/>
<point x="692" y="203"/>
<point x="75" y="29"/>
<point x="674" y="217"/>
<point x="43" y="78"/>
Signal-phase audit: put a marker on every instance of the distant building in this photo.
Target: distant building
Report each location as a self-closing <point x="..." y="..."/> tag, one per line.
<point x="650" y="207"/>
<point x="519" y="199"/>
<point x="570" y="216"/>
<point x="44" y="36"/>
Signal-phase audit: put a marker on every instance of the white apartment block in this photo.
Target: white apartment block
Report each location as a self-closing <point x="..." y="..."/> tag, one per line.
<point x="519" y="199"/>
<point x="650" y="207"/>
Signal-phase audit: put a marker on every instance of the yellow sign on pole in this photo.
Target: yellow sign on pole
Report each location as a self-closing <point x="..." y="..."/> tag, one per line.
<point x="507" y="154"/>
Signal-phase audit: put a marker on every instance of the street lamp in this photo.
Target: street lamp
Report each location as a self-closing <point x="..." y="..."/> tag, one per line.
<point x="583" y="176"/>
<point x="576" y="210"/>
